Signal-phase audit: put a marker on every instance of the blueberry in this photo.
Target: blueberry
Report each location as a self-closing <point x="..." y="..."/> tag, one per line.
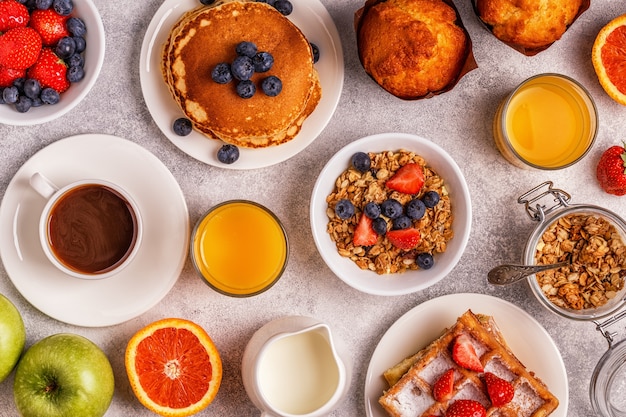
<point x="316" y="52"/>
<point x="10" y="94"/>
<point x="425" y="260"/>
<point x="361" y="161"/>
<point x="391" y="208"/>
<point x="182" y="126"/>
<point x="380" y="226"/>
<point x="76" y="26"/>
<point x="221" y="73"/>
<point x="50" y="96"/>
<point x="263" y="61"/>
<point x="32" y="88"/>
<point x="284" y="7"/>
<point x="75" y="60"/>
<point x="43" y="4"/>
<point x="2" y="98"/>
<point x="228" y="154"/>
<point x="242" y="68"/>
<point x="372" y="210"/>
<point x="207" y="2"/>
<point x="81" y="44"/>
<point x="344" y="209"/>
<point x="66" y="47"/>
<point x="23" y="104"/>
<point x="19" y="84"/>
<point x="246" y="89"/>
<point x="272" y="86"/>
<point x="430" y="199"/>
<point x="401" y="222"/>
<point x="246" y="49"/>
<point x="415" y="209"/>
<point x="75" y="74"/>
<point x="63" y="7"/>
<point x="37" y="102"/>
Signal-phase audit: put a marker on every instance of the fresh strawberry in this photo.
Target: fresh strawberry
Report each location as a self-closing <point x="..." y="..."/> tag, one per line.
<point x="409" y="179"/>
<point x="442" y="389"/>
<point x="19" y="48"/>
<point x="8" y="75"/>
<point x="405" y="239"/>
<point x="466" y="408"/>
<point x="50" y="71"/>
<point x="12" y="15"/>
<point x="364" y="234"/>
<point x="50" y="25"/>
<point x="611" y="170"/>
<point x="500" y="391"/>
<point x="464" y="354"/>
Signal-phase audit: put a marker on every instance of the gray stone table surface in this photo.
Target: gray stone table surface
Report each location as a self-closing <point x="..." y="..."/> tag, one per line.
<point x="459" y="121"/>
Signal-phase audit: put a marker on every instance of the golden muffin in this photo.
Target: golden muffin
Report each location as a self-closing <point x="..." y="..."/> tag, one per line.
<point x="529" y="25"/>
<point x="207" y="36"/>
<point x="412" y="48"/>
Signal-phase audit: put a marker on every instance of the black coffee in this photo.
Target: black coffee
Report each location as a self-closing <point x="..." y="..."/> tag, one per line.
<point x="92" y="229"/>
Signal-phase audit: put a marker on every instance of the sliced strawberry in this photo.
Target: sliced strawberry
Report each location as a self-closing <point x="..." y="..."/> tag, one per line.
<point x="442" y="389"/>
<point x="405" y="239"/>
<point x="50" y="71"/>
<point x="409" y="179"/>
<point x="13" y="15"/>
<point x="464" y="354"/>
<point x="500" y="391"/>
<point x="364" y="234"/>
<point x="466" y="408"/>
<point x="19" y="48"/>
<point x="8" y="75"/>
<point x="50" y="25"/>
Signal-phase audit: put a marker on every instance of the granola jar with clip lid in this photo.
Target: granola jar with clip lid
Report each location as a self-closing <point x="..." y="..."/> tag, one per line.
<point x="591" y="288"/>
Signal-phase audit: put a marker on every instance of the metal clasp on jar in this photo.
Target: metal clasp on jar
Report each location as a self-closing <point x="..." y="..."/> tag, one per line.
<point x="603" y="328"/>
<point x="532" y="198"/>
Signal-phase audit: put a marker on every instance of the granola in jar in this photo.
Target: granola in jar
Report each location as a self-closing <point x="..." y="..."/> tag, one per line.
<point x="598" y="261"/>
<point x="370" y="184"/>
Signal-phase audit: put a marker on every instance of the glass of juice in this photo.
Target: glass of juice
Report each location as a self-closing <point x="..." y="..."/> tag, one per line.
<point x="240" y="248"/>
<point x="548" y="122"/>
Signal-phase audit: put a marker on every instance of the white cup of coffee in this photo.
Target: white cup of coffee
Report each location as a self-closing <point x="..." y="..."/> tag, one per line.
<point x="295" y="366"/>
<point x="88" y="229"/>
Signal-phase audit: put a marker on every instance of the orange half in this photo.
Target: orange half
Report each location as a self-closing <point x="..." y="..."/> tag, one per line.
<point x="173" y="367"/>
<point x="609" y="58"/>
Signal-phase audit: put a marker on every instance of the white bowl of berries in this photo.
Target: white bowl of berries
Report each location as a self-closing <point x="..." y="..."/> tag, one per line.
<point x="51" y="52"/>
<point x="391" y="214"/>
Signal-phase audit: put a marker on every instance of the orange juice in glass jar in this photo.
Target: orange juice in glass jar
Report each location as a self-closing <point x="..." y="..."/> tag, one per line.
<point x="240" y="248"/>
<point x="548" y="122"/>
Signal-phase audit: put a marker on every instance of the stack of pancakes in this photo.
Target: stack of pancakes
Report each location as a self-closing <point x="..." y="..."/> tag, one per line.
<point x="207" y="36"/>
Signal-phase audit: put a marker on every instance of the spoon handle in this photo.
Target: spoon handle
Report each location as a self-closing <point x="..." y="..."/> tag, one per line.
<point x="507" y="274"/>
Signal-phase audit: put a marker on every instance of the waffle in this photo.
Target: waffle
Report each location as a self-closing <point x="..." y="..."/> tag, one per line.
<point x="411" y="381"/>
<point x="206" y="36"/>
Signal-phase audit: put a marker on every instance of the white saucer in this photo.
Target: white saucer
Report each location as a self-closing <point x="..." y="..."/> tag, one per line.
<point x="317" y="25"/>
<point x="138" y="287"/>
<point x="424" y="323"/>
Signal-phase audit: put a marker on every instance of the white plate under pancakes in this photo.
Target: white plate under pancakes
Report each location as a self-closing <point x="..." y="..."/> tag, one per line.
<point x="317" y="25"/>
<point x="425" y="322"/>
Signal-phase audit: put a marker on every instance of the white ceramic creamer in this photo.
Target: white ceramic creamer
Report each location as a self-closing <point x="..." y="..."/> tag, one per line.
<point x="294" y="366"/>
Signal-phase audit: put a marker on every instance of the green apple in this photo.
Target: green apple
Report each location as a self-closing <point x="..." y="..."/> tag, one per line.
<point x="63" y="375"/>
<point x="12" y="336"/>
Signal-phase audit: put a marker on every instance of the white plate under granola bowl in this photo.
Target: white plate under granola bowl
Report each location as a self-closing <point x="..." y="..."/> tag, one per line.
<point x="94" y="58"/>
<point x="319" y="28"/>
<point x="413" y="280"/>
<point x="425" y="322"/>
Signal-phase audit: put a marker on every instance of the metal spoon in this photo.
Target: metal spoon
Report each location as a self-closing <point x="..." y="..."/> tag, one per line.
<point x="508" y="274"/>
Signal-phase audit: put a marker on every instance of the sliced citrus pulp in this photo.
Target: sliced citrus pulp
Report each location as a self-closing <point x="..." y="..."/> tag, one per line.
<point x="609" y="58"/>
<point x="173" y="367"/>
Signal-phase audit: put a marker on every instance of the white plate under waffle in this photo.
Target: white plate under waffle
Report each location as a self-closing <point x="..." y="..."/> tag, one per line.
<point x="424" y="323"/>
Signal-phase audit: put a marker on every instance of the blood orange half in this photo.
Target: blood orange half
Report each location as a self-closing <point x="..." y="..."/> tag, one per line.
<point x="173" y="367"/>
<point x="609" y="58"/>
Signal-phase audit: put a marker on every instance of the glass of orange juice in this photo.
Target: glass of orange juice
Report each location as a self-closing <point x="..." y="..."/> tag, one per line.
<point x="548" y="122"/>
<point x="240" y="248"/>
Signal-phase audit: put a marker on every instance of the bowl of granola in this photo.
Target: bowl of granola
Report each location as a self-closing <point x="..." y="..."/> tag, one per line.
<point x="592" y="285"/>
<point x="391" y="214"/>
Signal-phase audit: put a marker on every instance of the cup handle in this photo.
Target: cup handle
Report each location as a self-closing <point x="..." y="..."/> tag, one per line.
<point x="42" y="185"/>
